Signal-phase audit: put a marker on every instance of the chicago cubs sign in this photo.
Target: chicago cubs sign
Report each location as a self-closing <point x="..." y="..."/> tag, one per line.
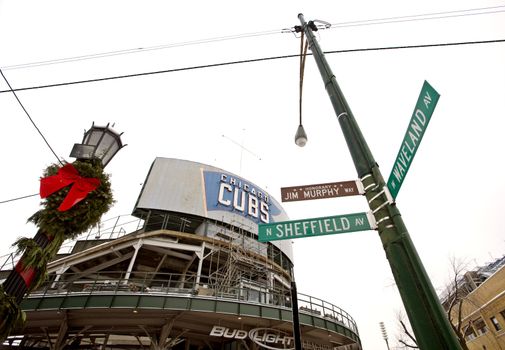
<point x="224" y="191"/>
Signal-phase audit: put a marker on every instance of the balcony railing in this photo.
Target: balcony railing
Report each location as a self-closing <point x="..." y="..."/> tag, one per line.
<point x="108" y="229"/>
<point x="146" y="283"/>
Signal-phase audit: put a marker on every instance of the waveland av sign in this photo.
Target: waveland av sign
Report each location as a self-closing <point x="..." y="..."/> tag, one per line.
<point x="418" y="123"/>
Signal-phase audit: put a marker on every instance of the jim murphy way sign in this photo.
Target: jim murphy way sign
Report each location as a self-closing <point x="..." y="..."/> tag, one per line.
<point x="319" y="191"/>
<point x="418" y="123"/>
<point x="314" y="227"/>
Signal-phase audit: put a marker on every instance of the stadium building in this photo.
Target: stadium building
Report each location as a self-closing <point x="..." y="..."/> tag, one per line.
<point x="187" y="273"/>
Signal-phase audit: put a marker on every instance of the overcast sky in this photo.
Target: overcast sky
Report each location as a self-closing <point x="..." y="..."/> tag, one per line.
<point x="243" y="117"/>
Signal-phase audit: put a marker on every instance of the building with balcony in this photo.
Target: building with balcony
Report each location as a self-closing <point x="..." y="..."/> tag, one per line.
<point x="479" y="302"/>
<point x="186" y="273"/>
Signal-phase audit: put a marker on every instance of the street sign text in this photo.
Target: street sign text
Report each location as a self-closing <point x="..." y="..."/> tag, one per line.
<point x="313" y="227"/>
<point x="319" y="191"/>
<point x="418" y="123"/>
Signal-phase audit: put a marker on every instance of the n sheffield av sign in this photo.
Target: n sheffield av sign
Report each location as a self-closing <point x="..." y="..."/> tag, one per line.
<point x="314" y="227"/>
<point x="418" y="123"/>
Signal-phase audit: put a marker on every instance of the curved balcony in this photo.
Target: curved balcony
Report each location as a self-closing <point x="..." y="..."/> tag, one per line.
<point x="174" y="286"/>
<point x="110" y="285"/>
<point x="157" y="294"/>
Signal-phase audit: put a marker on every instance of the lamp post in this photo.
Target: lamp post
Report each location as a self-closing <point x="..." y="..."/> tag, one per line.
<point x="63" y="216"/>
<point x="428" y="320"/>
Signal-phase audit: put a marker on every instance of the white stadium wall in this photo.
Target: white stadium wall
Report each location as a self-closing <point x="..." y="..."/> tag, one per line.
<point x="182" y="186"/>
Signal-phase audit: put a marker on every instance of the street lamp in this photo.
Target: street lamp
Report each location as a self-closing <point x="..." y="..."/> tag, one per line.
<point x="60" y="218"/>
<point x="99" y="142"/>
<point x="300" y="136"/>
<point x="429" y="322"/>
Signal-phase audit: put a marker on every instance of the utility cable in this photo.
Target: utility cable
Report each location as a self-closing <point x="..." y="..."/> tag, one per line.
<point x="376" y="21"/>
<point x="28" y="115"/>
<point x="18" y="198"/>
<point x="142" y="49"/>
<point x="422" y="17"/>
<point x="86" y="81"/>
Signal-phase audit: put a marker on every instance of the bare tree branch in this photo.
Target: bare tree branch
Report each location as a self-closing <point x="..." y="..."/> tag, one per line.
<point x="408" y="333"/>
<point x="408" y="345"/>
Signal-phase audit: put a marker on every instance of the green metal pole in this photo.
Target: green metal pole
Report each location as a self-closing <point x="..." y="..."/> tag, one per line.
<point x="427" y="318"/>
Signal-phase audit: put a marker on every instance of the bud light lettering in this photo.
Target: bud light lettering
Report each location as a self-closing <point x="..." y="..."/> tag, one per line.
<point x="266" y="338"/>
<point x="229" y="192"/>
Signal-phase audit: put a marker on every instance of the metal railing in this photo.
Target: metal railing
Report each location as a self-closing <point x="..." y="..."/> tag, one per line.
<point x="112" y="228"/>
<point x="116" y="282"/>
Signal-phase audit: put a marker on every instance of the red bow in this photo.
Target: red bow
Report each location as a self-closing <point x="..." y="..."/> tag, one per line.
<point x="68" y="175"/>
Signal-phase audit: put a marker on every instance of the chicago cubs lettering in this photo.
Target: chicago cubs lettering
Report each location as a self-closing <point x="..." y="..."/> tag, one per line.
<point x="243" y="197"/>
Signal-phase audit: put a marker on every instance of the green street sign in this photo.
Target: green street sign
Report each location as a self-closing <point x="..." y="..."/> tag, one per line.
<point x="418" y="123"/>
<point x="328" y="225"/>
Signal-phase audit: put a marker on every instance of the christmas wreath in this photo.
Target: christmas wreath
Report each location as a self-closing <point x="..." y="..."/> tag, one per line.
<point x="75" y="196"/>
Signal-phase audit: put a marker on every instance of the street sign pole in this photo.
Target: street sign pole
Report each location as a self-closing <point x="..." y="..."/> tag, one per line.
<point x="427" y="318"/>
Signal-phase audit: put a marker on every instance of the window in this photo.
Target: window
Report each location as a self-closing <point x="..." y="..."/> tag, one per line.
<point x="469" y="333"/>
<point x="480" y="326"/>
<point x="495" y="323"/>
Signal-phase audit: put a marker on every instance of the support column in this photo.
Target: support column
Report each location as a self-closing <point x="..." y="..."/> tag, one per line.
<point x="132" y="261"/>
<point x="200" y="263"/>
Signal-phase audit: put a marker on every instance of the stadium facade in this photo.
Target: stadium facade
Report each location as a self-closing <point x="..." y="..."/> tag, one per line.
<point x="190" y="274"/>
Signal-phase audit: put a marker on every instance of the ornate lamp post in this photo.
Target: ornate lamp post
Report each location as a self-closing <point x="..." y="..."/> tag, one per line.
<point x="75" y="196"/>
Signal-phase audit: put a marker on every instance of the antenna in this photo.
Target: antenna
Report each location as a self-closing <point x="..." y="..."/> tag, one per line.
<point x="241" y="145"/>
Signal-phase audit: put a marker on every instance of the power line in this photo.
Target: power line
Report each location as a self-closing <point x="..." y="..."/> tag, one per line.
<point x="376" y="21"/>
<point x="420" y="46"/>
<point x="18" y="198"/>
<point x="28" y="115"/>
<point x="141" y="49"/>
<point x="86" y="81"/>
<point x="423" y="17"/>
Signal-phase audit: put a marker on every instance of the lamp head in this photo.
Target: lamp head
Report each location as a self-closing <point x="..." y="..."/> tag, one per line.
<point x="98" y="142"/>
<point x="300" y="136"/>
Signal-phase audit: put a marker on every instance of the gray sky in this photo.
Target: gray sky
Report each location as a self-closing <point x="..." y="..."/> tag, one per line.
<point x="450" y="200"/>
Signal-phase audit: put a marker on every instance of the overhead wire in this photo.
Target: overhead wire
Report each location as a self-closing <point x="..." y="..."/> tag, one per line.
<point x="18" y="198"/>
<point x="423" y="17"/>
<point x="387" y="20"/>
<point x="28" y="115"/>
<point x="140" y="50"/>
<point x="249" y="61"/>
<point x="376" y="21"/>
<point x="262" y="59"/>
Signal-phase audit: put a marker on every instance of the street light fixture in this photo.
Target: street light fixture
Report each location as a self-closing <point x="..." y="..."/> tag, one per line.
<point x="100" y="142"/>
<point x="301" y="136"/>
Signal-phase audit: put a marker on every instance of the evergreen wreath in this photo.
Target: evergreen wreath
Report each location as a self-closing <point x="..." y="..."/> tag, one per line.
<point x="57" y="226"/>
<point x="83" y="215"/>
